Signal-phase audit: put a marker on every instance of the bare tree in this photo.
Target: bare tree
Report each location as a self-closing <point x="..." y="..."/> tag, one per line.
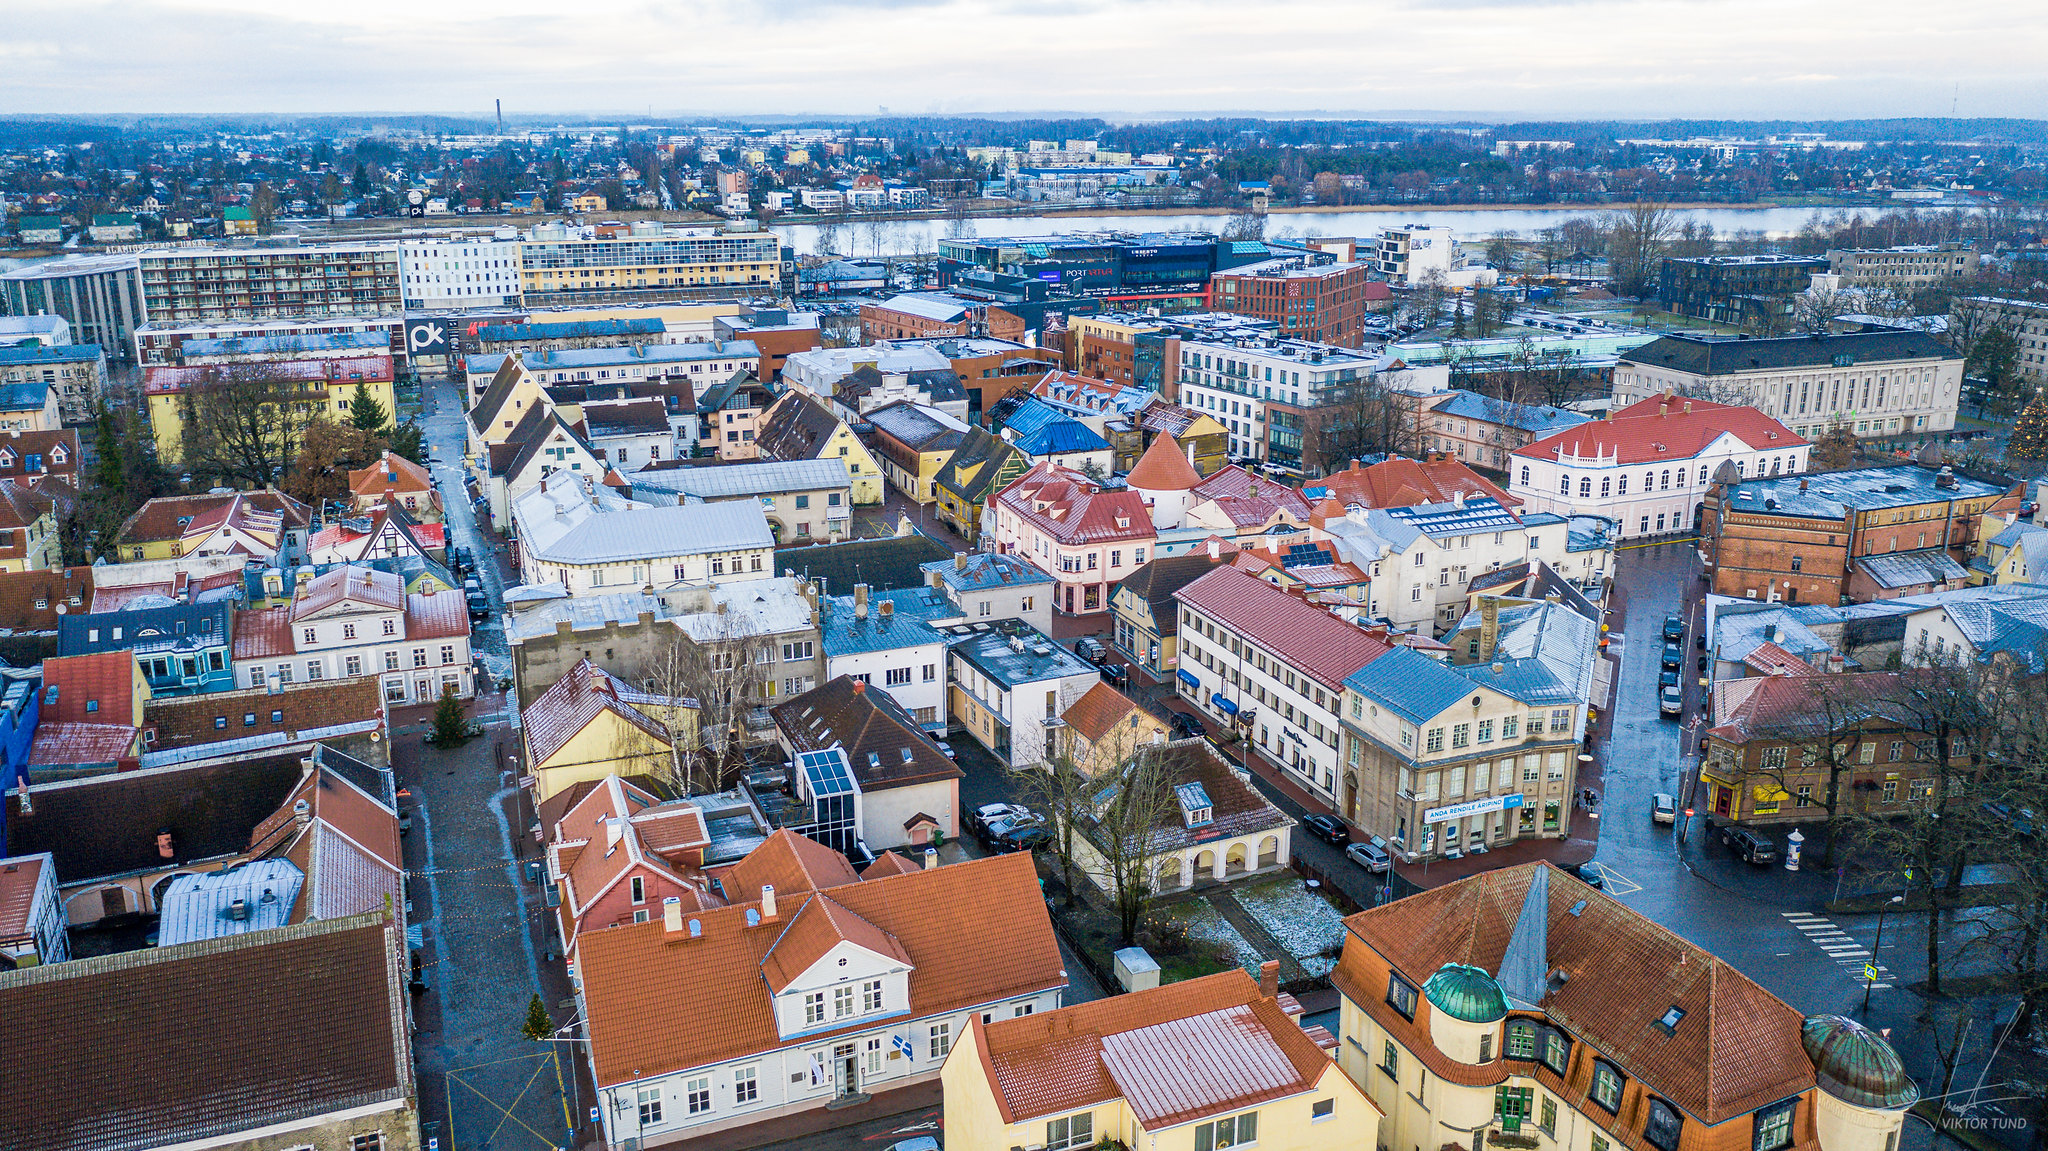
<point x="1814" y="310"/>
<point x="1641" y="238"/>
<point x="1126" y="824"/>
<point x="1245" y="226"/>
<point x="245" y="425"/>
<point x="711" y="662"/>
<point x="1361" y="419"/>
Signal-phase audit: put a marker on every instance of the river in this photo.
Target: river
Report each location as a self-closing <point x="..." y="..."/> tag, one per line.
<point x="905" y="237"/>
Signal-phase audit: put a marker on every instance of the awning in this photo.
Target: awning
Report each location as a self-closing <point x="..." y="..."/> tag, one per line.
<point x="1188" y="677"/>
<point x="1223" y="705"/>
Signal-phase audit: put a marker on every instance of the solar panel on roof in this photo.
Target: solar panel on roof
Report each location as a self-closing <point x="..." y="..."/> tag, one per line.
<point x="826" y="772"/>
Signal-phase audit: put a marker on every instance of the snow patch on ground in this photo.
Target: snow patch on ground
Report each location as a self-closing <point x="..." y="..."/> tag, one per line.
<point x="1206" y="924"/>
<point x="1301" y="921"/>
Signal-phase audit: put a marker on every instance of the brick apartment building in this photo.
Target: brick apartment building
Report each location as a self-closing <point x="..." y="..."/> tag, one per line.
<point x="915" y="315"/>
<point x="1325" y="304"/>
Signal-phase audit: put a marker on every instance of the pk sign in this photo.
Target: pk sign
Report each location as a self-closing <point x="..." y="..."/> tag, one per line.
<point x="426" y="337"/>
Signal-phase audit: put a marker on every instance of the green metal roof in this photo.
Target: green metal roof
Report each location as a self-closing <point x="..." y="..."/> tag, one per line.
<point x="1853" y="1064"/>
<point x="1467" y="993"/>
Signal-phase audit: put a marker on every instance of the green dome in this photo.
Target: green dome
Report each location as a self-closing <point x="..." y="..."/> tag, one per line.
<point x="1466" y="993"/>
<point x="1853" y="1064"/>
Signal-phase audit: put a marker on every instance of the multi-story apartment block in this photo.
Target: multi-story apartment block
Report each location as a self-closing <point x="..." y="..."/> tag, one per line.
<point x="1482" y="431"/>
<point x="358" y="621"/>
<point x="1413" y="253"/>
<point x="1085" y="536"/>
<point x="1255" y="657"/>
<point x="1324" y="304"/>
<point x="921" y="315"/>
<point x="1649" y="466"/>
<point x="1438" y="758"/>
<point x="238" y="341"/>
<point x="561" y="264"/>
<point x="1906" y="269"/>
<point x="271" y="282"/>
<point x="1126" y="349"/>
<point x="1525" y="1008"/>
<point x="1262" y="389"/>
<point x="295" y="390"/>
<point x="480" y="271"/>
<point x="1746" y="291"/>
<point x="101" y="297"/>
<point x="73" y="375"/>
<point x="2024" y="320"/>
<point x="805" y="500"/>
<point x="1878" y="384"/>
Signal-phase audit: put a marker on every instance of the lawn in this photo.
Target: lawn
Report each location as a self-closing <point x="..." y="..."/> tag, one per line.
<point x="1301" y="921"/>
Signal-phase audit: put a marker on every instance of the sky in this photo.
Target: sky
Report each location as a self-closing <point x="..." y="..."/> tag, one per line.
<point x="1122" y="59"/>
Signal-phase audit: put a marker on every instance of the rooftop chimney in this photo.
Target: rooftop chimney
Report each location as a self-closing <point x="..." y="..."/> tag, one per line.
<point x="165" y="848"/>
<point x="860" y="601"/>
<point x="1686" y="407"/>
<point x="671" y="917"/>
<point x="959" y="561"/>
<point x="1215" y="548"/>
<point x="1489" y="625"/>
<point x="931" y="858"/>
<point x="1269" y="978"/>
<point x="767" y="901"/>
<point x="302" y="813"/>
<point x="614" y="830"/>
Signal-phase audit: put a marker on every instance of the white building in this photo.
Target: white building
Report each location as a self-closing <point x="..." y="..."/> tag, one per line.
<point x="893" y="640"/>
<point x="1010" y="684"/>
<point x="1648" y="466"/>
<point x="590" y="539"/>
<point x="819" y="370"/>
<point x="1891" y="383"/>
<point x="461" y="271"/>
<point x="1233" y="380"/>
<point x="358" y="621"/>
<point x="1409" y="254"/>
<point x="705" y="363"/>
<point x="32" y="927"/>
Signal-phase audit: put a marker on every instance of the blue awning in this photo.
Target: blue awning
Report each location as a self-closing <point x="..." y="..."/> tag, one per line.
<point x="1223" y="705"/>
<point x="1188" y="677"/>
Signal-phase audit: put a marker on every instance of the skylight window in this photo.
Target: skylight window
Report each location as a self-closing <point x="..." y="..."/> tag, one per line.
<point x="1670" y="1020"/>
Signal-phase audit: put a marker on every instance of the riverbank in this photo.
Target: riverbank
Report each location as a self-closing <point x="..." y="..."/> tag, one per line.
<point x="1410" y="209"/>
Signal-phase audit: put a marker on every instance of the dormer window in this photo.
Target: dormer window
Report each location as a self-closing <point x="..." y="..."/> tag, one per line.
<point x="1401" y="996"/>
<point x="1662" y="1126"/>
<point x="1196" y="810"/>
<point x="1606" y="1086"/>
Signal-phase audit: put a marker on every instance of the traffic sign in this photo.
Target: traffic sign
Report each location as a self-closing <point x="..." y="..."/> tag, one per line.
<point x="1869" y="973"/>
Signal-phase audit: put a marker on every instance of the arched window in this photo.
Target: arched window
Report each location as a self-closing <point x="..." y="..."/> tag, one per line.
<point x="1666" y="485"/>
<point x="1564" y="485"/>
<point x="1621" y="486"/>
<point x="1703" y="473"/>
<point x="1525" y="477"/>
<point x="1604" y="484"/>
<point x="1585" y="487"/>
<point x="1606" y="1086"/>
<point x="1662" y="1125"/>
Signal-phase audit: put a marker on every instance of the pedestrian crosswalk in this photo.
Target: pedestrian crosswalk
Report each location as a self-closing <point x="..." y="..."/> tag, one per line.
<point x="1839" y="946"/>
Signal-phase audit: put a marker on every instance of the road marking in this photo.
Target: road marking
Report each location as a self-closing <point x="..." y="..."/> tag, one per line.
<point x="1843" y="948"/>
<point x="1617" y="884"/>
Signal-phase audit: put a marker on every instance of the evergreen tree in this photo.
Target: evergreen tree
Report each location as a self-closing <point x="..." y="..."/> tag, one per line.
<point x="2029" y="442"/>
<point x="409" y="440"/>
<point x="1458" y="320"/>
<point x="451" y="726"/>
<point x="107" y="474"/>
<point x="538" y="1025"/>
<point x="366" y="413"/>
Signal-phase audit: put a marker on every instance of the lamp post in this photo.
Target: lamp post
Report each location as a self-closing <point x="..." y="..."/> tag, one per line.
<point x="1870" y="968"/>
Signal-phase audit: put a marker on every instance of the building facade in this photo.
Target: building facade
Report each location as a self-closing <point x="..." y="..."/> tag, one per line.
<point x="1744" y="291"/>
<point x="560" y="264"/>
<point x="1321" y="304"/>
<point x="101" y="297"/>
<point x="1877" y="384"/>
<point x="180" y="284"/>
<point x="460" y="271"/>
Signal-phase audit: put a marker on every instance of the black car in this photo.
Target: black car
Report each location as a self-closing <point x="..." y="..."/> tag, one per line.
<point x="1327" y="828"/>
<point x="1753" y="846"/>
<point x="1029" y="838"/>
<point x="1667" y="679"/>
<point x="479" y="606"/>
<point x="1117" y="674"/>
<point x="1674" y="629"/>
<point x="1674" y="656"/>
<point x="1188" y="725"/>
<point x="1590" y="875"/>
<point x="464" y="560"/>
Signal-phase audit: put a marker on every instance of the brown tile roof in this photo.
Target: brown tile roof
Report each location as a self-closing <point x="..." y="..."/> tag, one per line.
<point x="18" y="882"/>
<point x="58" y="743"/>
<point x="1100" y="708"/>
<point x="1250" y="500"/>
<point x="891" y="863"/>
<point x="21" y="593"/>
<point x="1307" y="637"/>
<point x="348" y="849"/>
<point x="194" y="720"/>
<point x="1809" y="706"/>
<point x="1399" y="482"/>
<point x="263" y="634"/>
<point x="1164" y="467"/>
<point x="1651" y="429"/>
<point x="873" y="729"/>
<point x="790" y="863"/>
<point x="436" y="615"/>
<point x="158" y="518"/>
<point x="573" y="701"/>
<point x="797" y="427"/>
<point x="1236" y="807"/>
<point x="350" y="584"/>
<point x="1175" y="1053"/>
<point x="657" y="1005"/>
<point x="818" y="926"/>
<point x="1736" y="1048"/>
<point x="20" y="506"/>
<point x="17" y="446"/>
<point x="216" y="1038"/>
<point x="1156" y="582"/>
<point x="392" y="472"/>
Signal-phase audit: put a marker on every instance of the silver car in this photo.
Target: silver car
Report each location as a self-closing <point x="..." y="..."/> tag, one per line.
<point x="1370" y="856"/>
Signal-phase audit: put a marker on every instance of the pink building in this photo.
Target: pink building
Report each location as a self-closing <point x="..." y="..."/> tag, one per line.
<point x="1087" y="538"/>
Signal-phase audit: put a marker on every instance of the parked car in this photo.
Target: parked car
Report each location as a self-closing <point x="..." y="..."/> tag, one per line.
<point x="465" y="560"/>
<point x="1029" y="838"/>
<point x="1674" y="656"/>
<point x="1090" y="650"/>
<point x="1667" y="678"/>
<point x="1674" y="629"/>
<point x="1663" y="809"/>
<point x="1188" y="725"/>
<point x="1670" y="701"/>
<point x="1370" y="856"/>
<point x="1117" y="674"/>
<point x="1752" y="846"/>
<point x="1704" y="660"/>
<point x="479" y="606"/>
<point x="1590" y="875"/>
<point x="1327" y="828"/>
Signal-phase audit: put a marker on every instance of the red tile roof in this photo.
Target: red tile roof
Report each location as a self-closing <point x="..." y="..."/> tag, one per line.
<point x="791" y="864"/>
<point x="1100" y="708"/>
<point x="17" y="446"/>
<point x="66" y="743"/>
<point x="1305" y="637"/>
<point x="392" y="472"/>
<point x="105" y="679"/>
<point x="18" y="882"/>
<point x="158" y="518"/>
<point x="1661" y="429"/>
<point x="821" y="924"/>
<point x="436" y="615"/>
<point x="658" y="1005"/>
<point x="1399" y="482"/>
<point x="29" y="600"/>
<point x="1072" y="509"/>
<point x="361" y="585"/>
<point x="1249" y="500"/>
<point x="263" y="634"/>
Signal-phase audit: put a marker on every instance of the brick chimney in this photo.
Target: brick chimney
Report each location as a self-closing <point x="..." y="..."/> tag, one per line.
<point x="1269" y="978"/>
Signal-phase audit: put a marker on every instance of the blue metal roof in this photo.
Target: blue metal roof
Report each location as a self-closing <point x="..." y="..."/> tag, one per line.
<point x="24" y="396"/>
<point x="1409" y="684"/>
<point x="572" y="329"/>
<point x="1032" y="415"/>
<point x="45" y="354"/>
<point x="1479" y="513"/>
<point x="1542" y="421"/>
<point x="1063" y="436"/>
<point x="267" y="345"/>
<point x="908" y="623"/>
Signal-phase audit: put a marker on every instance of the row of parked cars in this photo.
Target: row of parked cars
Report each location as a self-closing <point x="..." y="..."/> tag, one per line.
<point x="1009" y="827"/>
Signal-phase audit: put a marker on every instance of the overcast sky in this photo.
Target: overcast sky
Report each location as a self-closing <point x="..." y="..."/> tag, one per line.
<point x="1117" y="58"/>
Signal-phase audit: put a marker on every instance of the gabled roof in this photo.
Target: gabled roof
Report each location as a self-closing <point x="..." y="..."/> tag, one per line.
<point x="1073" y="509"/>
<point x="982" y="571"/>
<point x="392" y="472"/>
<point x="1399" y="482"/>
<point x="658" y="1005"/>
<point x="572" y="702"/>
<point x="1248" y="500"/>
<point x="797" y="427"/>
<point x="919" y="427"/>
<point x="484" y="415"/>
<point x="1156" y="582"/>
<point x="884" y="745"/>
<point x="363" y="587"/>
<point x="790" y="863"/>
<point x="220" y="1037"/>
<point x="1059" y="437"/>
<point x="818" y="926"/>
<point x="970" y="472"/>
<point x="1664" y="429"/>
<point x="1911" y="568"/>
<point x="160" y="518"/>
<point x="1307" y="638"/>
<point x="1540" y="420"/>
<point x="1735" y="1048"/>
<point x="1164" y="468"/>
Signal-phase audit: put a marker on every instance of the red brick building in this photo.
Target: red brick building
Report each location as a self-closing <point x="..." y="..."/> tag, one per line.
<point x="1325" y="304"/>
<point x="915" y="315"/>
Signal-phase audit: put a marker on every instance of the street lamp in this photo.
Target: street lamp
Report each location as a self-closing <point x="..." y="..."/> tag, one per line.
<point x="1870" y="968"/>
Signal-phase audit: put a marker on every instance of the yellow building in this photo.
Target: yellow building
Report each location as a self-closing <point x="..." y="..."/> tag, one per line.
<point x="168" y="527"/>
<point x="1201" y="1065"/>
<point x="297" y="391"/>
<point x="914" y="442"/>
<point x="591" y="724"/>
<point x="1520" y="1008"/>
<point x="588" y="202"/>
<point x="558" y="264"/>
<point x="1104" y="728"/>
<point x="798" y="427"/>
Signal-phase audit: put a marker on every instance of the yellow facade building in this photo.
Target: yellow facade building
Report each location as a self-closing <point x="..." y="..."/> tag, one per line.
<point x="560" y="264"/>
<point x="1201" y="1065"/>
<point x="293" y="391"/>
<point x="591" y="724"/>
